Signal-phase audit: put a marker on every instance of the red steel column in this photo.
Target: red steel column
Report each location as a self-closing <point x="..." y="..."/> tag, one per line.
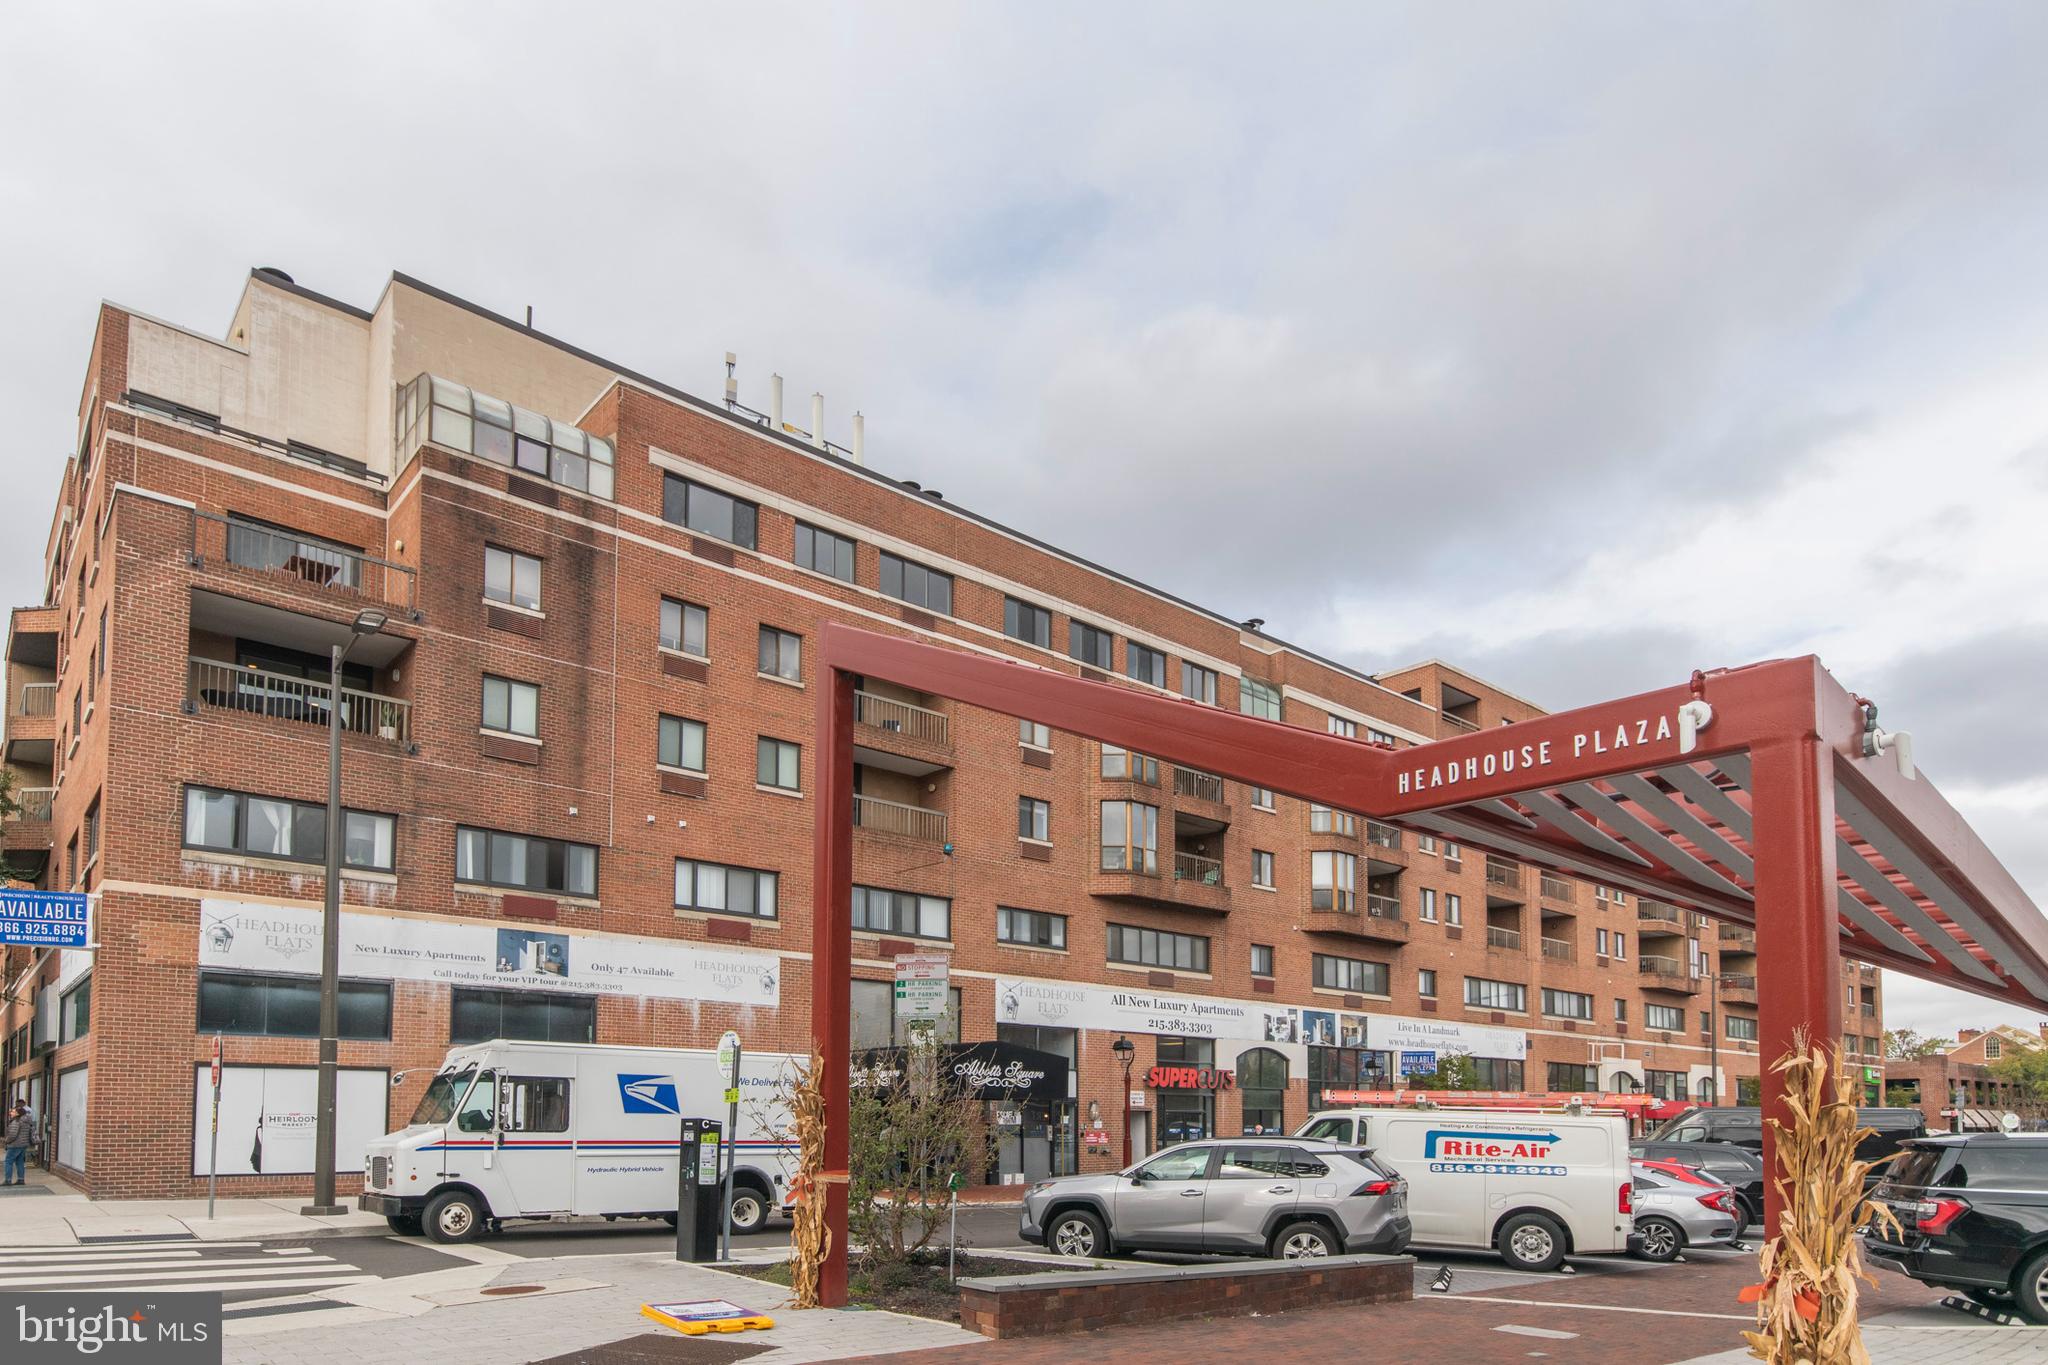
<point x="1798" y="928"/>
<point x="832" y="955"/>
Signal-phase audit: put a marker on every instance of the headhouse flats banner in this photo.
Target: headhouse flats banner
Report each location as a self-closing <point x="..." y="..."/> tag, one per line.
<point x="274" y="938"/>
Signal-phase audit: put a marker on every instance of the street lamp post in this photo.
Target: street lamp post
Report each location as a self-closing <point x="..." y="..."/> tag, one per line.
<point x="1126" y="1052"/>
<point x="1714" y="1035"/>
<point x="369" y="621"/>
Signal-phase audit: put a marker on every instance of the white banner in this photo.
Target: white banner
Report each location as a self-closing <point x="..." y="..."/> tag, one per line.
<point x="1389" y="1033"/>
<point x="268" y="1116"/>
<point x="274" y="938"/>
<point x="1057" y="1004"/>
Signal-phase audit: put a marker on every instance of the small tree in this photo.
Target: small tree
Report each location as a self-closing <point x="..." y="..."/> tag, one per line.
<point x="2025" y="1069"/>
<point x="1904" y="1044"/>
<point x="1454" y="1071"/>
<point x="911" y="1130"/>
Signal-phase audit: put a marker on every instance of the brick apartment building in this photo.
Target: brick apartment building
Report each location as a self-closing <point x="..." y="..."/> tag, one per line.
<point x="1960" y="1077"/>
<point x="578" y="758"/>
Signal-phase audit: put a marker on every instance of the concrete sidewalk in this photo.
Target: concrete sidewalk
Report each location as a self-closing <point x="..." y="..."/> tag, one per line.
<point x="48" y="1212"/>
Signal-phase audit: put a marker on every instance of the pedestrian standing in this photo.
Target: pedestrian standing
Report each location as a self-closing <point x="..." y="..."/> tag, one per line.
<point x="16" y="1138"/>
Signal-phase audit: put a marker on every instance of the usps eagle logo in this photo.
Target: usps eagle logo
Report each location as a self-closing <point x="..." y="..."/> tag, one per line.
<point x="648" y="1095"/>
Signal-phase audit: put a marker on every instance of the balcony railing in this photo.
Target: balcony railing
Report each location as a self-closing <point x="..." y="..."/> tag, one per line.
<point x="1736" y="981"/>
<point x="1869" y="1010"/>
<point x="233" y="687"/>
<point x="1744" y="939"/>
<point x="1383" y="907"/>
<point x="1200" y="785"/>
<point x="1650" y="912"/>
<point x="895" y="817"/>
<point x="33" y="803"/>
<point x="1504" y="938"/>
<point x="1382" y="836"/>
<point x="1557" y="888"/>
<point x="1459" y="722"/>
<point x="1661" y="966"/>
<point x="900" y="717"/>
<point x="1193" y="867"/>
<point x="1501" y="872"/>
<point x="1559" y="950"/>
<point x="37" y="699"/>
<point x="318" y="563"/>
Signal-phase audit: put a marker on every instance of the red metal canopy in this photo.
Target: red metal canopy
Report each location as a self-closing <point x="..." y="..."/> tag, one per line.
<point x="1754" y="795"/>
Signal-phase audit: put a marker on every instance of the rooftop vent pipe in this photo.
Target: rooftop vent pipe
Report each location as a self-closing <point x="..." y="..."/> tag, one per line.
<point x="818" y="420"/>
<point x="775" y="402"/>
<point x="860" y="439"/>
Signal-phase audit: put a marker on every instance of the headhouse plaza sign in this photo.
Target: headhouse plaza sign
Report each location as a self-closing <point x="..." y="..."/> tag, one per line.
<point x="1512" y="757"/>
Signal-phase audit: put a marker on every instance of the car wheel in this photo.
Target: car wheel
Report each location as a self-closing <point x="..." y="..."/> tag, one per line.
<point x="404" y="1224"/>
<point x="1658" y="1239"/>
<point x="1992" y="1298"/>
<point x="2030" y="1288"/>
<point x="1305" y="1241"/>
<point x="1531" y="1241"/>
<point x="749" y="1209"/>
<point x="453" y="1216"/>
<point x="1077" y="1232"/>
<point x="1750" y="1213"/>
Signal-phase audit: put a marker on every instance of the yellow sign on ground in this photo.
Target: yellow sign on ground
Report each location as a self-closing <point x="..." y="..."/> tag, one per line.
<point x="700" y="1316"/>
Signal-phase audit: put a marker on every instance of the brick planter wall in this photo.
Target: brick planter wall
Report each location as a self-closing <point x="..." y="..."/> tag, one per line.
<point x="1080" y="1301"/>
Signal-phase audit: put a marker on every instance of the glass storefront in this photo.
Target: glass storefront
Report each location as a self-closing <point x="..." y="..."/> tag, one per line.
<point x="1346" y="1068"/>
<point x="1036" y="1139"/>
<point x="1262" y="1090"/>
<point x="1185" y="1115"/>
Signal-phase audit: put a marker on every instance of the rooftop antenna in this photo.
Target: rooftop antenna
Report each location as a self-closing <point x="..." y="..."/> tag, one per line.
<point x="529" y="317"/>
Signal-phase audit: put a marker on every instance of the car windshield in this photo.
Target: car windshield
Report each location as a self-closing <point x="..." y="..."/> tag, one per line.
<point x="1329" y="1130"/>
<point x="439" y="1102"/>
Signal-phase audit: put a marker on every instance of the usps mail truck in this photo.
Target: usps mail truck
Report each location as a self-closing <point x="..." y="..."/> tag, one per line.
<point x="1530" y="1185"/>
<point x="551" y="1130"/>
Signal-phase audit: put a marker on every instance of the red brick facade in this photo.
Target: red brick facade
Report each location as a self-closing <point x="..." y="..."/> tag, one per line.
<point x="140" y="538"/>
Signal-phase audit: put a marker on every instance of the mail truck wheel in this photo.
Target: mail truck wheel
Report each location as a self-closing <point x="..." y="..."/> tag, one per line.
<point x="404" y="1224"/>
<point x="1531" y="1241"/>
<point x="749" y="1209"/>
<point x="453" y="1216"/>
<point x="1077" y="1232"/>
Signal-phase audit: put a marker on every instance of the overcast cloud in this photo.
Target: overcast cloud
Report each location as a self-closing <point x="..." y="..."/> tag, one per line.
<point x="1583" y="344"/>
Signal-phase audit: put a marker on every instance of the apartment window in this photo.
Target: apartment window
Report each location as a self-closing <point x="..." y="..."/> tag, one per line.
<point x="102" y="655"/>
<point x="1333" y="881"/>
<point x="1567" y="1004"/>
<point x="1145" y="663"/>
<point x="1496" y="1073"/>
<point x="1379" y="736"/>
<point x="519" y="862"/>
<point x="680" y="744"/>
<point x="725" y="890"/>
<point x="493" y="429"/>
<point x="1480" y="993"/>
<point x="289" y="1006"/>
<point x="1255" y="698"/>
<point x="1353" y="975"/>
<point x="1022" y="621"/>
<point x="74" y="1012"/>
<point x="1030" y="732"/>
<point x="1198" y="683"/>
<point x="1739" y="1027"/>
<point x="1348" y="729"/>
<point x="914" y="583"/>
<point x="1034" y="818"/>
<point x="1262" y="798"/>
<point x="685" y="627"/>
<point x="1994" y="1049"/>
<point x="1130" y="837"/>
<point x="1574" y="1078"/>
<point x="1621" y="1011"/>
<point x="71" y="861"/>
<point x="512" y="578"/>
<point x="777" y="763"/>
<point x="1262" y="959"/>
<point x="1454" y="908"/>
<point x="511" y="707"/>
<point x="1157" y="948"/>
<point x="531" y="1016"/>
<point x="1454" y="856"/>
<point x="1425" y="983"/>
<point x="1262" y="868"/>
<point x="1123" y="766"/>
<point x="92" y="831"/>
<point x="1031" y="928"/>
<point x="1088" y="645"/>
<point x="264" y="827"/>
<point x="1666" y="1085"/>
<point x="1323" y="820"/>
<point x="1664" y="1018"/>
<point x="1620" y="942"/>
<point x="1425" y="903"/>
<point x="263" y="545"/>
<point x="1600" y="942"/>
<point x="781" y="654"/>
<point x="1425" y="843"/>
<point x="707" y="511"/>
<point x="824" y="553"/>
<point x="902" y="912"/>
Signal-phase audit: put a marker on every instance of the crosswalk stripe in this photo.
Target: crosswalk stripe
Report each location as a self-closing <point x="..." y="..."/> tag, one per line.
<point x="88" y="1249"/>
<point x="14" y="1274"/>
<point x="229" y="1286"/>
<point x="101" y="1254"/>
<point x="183" y="1275"/>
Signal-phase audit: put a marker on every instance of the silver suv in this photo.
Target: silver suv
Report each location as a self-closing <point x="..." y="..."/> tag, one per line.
<point x="1291" y="1197"/>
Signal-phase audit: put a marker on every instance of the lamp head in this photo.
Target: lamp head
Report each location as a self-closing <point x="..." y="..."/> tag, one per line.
<point x="369" y="621"/>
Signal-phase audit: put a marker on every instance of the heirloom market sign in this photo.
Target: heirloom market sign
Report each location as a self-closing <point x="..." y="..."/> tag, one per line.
<point x="276" y="938"/>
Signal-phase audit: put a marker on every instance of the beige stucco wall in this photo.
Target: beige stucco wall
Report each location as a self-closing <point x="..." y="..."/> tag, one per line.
<point x="428" y="334"/>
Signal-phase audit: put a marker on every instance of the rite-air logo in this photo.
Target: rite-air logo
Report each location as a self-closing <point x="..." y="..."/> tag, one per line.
<point x="648" y="1095"/>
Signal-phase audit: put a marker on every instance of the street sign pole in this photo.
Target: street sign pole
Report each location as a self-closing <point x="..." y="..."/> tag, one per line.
<point x="729" y="1069"/>
<point x="213" y="1160"/>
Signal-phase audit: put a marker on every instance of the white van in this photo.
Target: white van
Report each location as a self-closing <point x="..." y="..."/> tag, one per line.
<point x="550" y="1130"/>
<point x="1532" y="1185"/>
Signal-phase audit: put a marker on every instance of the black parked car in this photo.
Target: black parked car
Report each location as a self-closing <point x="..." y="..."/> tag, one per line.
<point x="1742" y="1125"/>
<point x="1736" y="1167"/>
<point x="1973" y="1209"/>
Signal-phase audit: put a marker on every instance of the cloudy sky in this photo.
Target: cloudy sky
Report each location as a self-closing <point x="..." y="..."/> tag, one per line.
<point x="1583" y="344"/>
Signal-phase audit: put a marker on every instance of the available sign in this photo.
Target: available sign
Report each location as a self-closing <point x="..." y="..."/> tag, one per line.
<point x="45" y="919"/>
<point x="275" y="938"/>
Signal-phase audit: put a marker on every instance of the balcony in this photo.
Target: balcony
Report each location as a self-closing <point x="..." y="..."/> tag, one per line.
<point x="1737" y="939"/>
<point x="1459" y="724"/>
<point x="1195" y="882"/>
<point x="219" y="685"/>
<point x="1737" y="989"/>
<point x="1505" y="881"/>
<point x="32" y="805"/>
<point x="1653" y="918"/>
<point x="916" y="724"/>
<point x="1386" y="850"/>
<point x="37" y="699"/>
<point x="895" y="733"/>
<point x="1667" y="974"/>
<point x="1556" y="888"/>
<point x="1374" y="918"/>
<point x="1507" y="940"/>
<point x="1560" y="950"/>
<point x="278" y="556"/>
<point x="898" y="818"/>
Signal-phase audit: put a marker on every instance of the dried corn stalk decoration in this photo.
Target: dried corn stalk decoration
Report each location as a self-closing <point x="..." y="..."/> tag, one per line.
<point x="810" y="1239"/>
<point x="1806" y="1305"/>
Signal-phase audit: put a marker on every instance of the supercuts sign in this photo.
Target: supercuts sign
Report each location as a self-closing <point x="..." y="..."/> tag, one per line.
<point x="1189" y="1078"/>
<point x="1516" y="749"/>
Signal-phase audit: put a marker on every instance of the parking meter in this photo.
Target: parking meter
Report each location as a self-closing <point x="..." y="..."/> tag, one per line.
<point x="697" y="1193"/>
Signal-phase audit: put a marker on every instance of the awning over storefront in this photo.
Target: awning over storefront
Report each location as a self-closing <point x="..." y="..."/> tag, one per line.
<point x="984" y="1071"/>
